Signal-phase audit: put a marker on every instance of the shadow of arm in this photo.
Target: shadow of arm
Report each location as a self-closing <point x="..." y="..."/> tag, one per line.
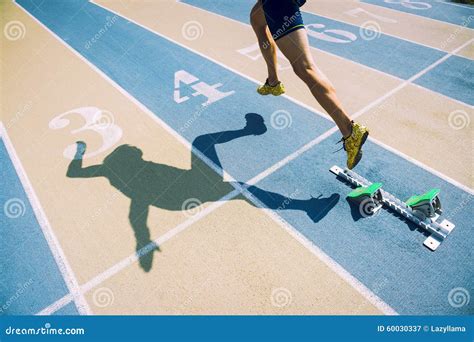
<point x="75" y="169"/>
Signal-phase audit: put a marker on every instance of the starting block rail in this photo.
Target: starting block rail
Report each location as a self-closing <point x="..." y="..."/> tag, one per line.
<point x="438" y="231"/>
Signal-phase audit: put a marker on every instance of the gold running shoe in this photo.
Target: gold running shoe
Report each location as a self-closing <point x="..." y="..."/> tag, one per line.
<point x="267" y="89"/>
<point x="353" y="144"/>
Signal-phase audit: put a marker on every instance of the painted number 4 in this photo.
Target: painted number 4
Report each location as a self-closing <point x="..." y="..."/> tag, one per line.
<point x="201" y="88"/>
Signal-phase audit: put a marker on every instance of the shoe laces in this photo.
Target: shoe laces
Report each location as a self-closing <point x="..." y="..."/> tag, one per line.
<point x="343" y="140"/>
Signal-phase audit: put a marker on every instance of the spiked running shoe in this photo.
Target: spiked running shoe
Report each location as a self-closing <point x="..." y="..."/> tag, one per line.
<point x="267" y="89"/>
<point x="353" y="144"/>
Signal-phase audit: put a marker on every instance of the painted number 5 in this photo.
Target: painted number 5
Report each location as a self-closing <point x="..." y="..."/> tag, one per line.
<point x="96" y="120"/>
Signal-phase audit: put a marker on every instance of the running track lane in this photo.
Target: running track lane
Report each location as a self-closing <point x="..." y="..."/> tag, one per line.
<point x="25" y="257"/>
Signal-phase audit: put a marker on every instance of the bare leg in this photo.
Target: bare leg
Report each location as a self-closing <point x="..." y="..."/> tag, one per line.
<point x="265" y="41"/>
<point x="295" y="47"/>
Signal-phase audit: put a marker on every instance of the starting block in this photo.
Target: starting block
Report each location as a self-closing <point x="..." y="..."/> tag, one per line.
<point x="427" y="205"/>
<point x="423" y="210"/>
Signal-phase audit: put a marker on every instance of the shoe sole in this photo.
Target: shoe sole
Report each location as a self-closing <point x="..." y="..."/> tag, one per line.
<point x="270" y="94"/>
<point x="359" y="152"/>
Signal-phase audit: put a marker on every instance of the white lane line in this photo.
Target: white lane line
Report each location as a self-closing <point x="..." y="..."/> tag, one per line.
<point x="57" y="305"/>
<point x="325" y="52"/>
<point x="53" y="243"/>
<point x="132" y="258"/>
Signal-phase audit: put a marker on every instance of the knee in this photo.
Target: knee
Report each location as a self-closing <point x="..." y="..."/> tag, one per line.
<point x="307" y="73"/>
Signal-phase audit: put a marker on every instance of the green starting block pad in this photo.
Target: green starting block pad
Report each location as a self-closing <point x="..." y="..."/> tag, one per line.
<point x="423" y="210"/>
<point x="365" y="191"/>
<point x="370" y="194"/>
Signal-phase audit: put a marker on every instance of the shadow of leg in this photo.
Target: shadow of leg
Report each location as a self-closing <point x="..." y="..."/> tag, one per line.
<point x="145" y="247"/>
<point x="206" y="143"/>
<point x="315" y="208"/>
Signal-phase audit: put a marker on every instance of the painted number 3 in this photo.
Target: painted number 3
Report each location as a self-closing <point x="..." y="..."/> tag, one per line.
<point x="97" y="120"/>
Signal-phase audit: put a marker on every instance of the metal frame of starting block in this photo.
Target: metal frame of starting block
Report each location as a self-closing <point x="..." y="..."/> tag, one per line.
<point x="438" y="231"/>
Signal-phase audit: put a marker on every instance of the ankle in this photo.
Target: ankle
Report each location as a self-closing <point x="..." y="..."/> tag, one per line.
<point x="349" y="130"/>
<point x="272" y="82"/>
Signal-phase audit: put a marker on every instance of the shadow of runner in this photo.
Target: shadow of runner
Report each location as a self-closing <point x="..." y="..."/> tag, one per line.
<point x="147" y="183"/>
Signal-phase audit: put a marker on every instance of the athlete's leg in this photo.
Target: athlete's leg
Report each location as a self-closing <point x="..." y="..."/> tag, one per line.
<point x="295" y="47"/>
<point x="265" y="41"/>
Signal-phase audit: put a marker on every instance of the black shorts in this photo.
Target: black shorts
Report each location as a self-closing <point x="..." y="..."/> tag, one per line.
<point x="283" y="16"/>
